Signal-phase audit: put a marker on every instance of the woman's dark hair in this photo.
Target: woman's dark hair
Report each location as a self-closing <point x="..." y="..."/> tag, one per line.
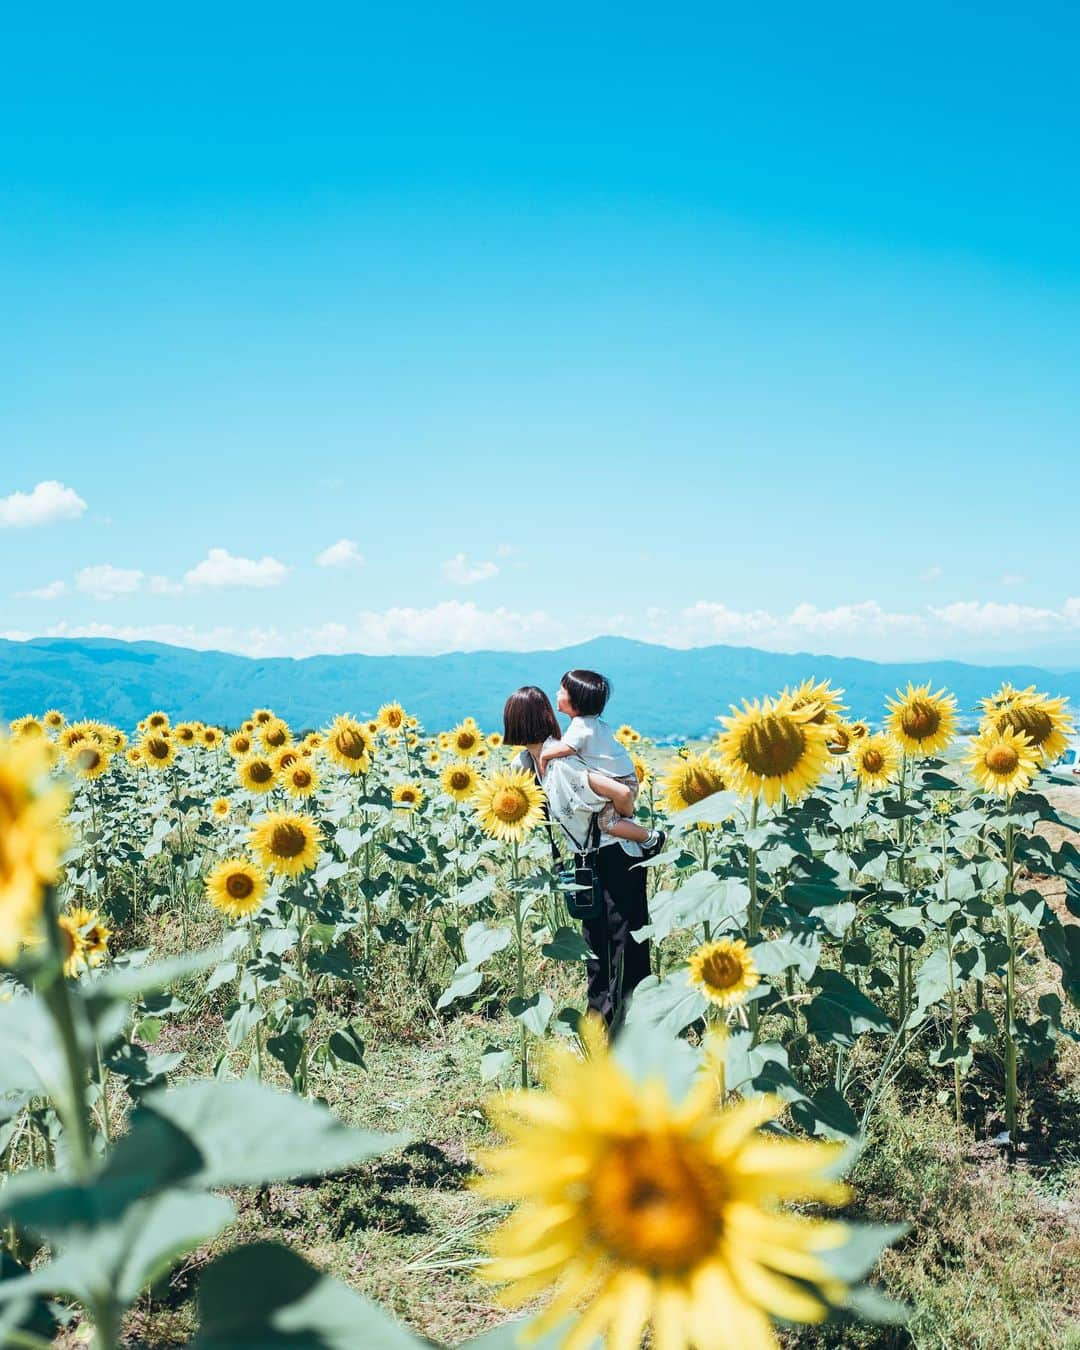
<point x="588" y="692"/>
<point x="529" y="718"/>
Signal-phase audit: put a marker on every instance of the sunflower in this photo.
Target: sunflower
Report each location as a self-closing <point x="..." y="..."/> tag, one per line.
<point x="923" y="722"/>
<point x="73" y="735"/>
<point x="391" y="716"/>
<point x="509" y="804"/>
<point x="275" y="734"/>
<point x="221" y="807"/>
<point x="26" y="726"/>
<point x="412" y="740"/>
<point x="625" y="734"/>
<point x="72" y="944"/>
<point x="724" y="971"/>
<point x="408" y="796"/>
<point x="256" y="773"/>
<point x="313" y="740"/>
<point x="459" y="779"/>
<point x="186" y="733"/>
<point x="840" y="738"/>
<point x="54" y="719"/>
<point x="285" y="758"/>
<point x="349" y="744"/>
<point x="769" y="748"/>
<point x="299" y="779"/>
<point x="635" y="1210"/>
<point x="373" y="727"/>
<point x="212" y="737"/>
<point x="820" y="697"/>
<point x="158" y="750"/>
<point x="642" y="772"/>
<point x="116" y="740"/>
<point x="875" y="761"/>
<point x="286" y="843"/>
<point x="236" y="887"/>
<point x="133" y="755"/>
<point x="95" y="936"/>
<point x="433" y="759"/>
<point x="1002" y="761"/>
<point x="859" y="730"/>
<point x="1043" y="720"/>
<point x="391" y="740"/>
<point x="443" y="740"/>
<point x="261" y="716"/>
<point x="240" y="744"/>
<point x="690" y="778"/>
<point x="248" y="727"/>
<point x="32" y="838"/>
<point x="465" y="739"/>
<point x="88" y="760"/>
<point x="1005" y="697"/>
<point x="494" y="739"/>
<point x="158" y="721"/>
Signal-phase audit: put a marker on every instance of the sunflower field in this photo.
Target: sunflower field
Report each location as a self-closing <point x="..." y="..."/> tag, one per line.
<point x="293" y="1047"/>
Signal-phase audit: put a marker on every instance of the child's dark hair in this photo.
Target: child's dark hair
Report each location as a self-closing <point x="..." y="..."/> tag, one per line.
<point x="588" y="692"/>
<point x="529" y="718"/>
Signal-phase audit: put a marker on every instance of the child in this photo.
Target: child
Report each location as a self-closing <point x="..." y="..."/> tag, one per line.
<point x="583" y="695"/>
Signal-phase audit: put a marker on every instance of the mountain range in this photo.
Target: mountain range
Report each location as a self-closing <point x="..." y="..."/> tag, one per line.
<point x="664" y="692"/>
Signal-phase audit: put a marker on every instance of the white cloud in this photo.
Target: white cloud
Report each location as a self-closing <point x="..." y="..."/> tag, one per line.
<point x="52" y="591"/>
<point x="220" y="569"/>
<point x="105" y="582"/>
<point x="47" y="502"/>
<point x="989" y="617"/>
<point x="462" y="572"/>
<point x="931" y="573"/>
<point x="164" y="586"/>
<point x="345" y="553"/>
<point x="1013" y="578"/>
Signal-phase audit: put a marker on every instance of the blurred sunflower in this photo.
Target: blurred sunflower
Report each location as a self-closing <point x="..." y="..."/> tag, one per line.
<point x="240" y="744"/>
<point x="285" y="758"/>
<point x="72" y="945"/>
<point x="858" y="730"/>
<point x="256" y="773"/>
<point x="373" y="727"/>
<point x="54" y="719"/>
<point x="158" y="750"/>
<point x="459" y="780"/>
<point x="839" y="738"/>
<point x="300" y="779"/>
<point x="185" y="733"/>
<point x="212" y="737"/>
<point x="313" y="740"/>
<point x="432" y="759"/>
<point x="637" y="1211"/>
<point x="32" y="838"/>
<point x="261" y="716"/>
<point x="391" y="716"/>
<point x="72" y="735"/>
<point x="724" y="971"/>
<point x="285" y="842"/>
<point x="642" y="772"/>
<point x="1002" y="761"/>
<point x="248" y="727"/>
<point x="769" y="748"/>
<point x="275" y="734"/>
<point x="116" y="740"/>
<point x="88" y="760"/>
<point x="875" y="761"/>
<point x="690" y="778"/>
<point x="465" y="739"/>
<point x="236" y="887"/>
<point x="95" y="935"/>
<point x="349" y="745"/>
<point x="1005" y="697"/>
<point x="407" y="796"/>
<point x="494" y="739"/>
<point x="158" y="721"/>
<point x="509" y="804"/>
<point x="923" y="722"/>
<point x="1041" y="719"/>
<point x="220" y="807"/>
<point x="391" y="740"/>
<point x="133" y="755"/>
<point x="26" y="726"/>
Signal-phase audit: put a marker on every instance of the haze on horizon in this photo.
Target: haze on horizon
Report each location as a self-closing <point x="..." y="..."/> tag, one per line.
<point x="443" y="331"/>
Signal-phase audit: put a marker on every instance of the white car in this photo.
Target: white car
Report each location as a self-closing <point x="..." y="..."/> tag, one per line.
<point x="1069" y="763"/>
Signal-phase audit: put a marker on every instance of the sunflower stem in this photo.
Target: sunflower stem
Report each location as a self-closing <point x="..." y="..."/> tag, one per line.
<point x="754" y="914"/>
<point x="520" y="960"/>
<point x="1010" y="990"/>
<point x="58" y="999"/>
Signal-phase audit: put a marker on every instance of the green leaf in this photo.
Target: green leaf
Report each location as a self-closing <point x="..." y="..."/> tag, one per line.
<point x="567" y="945"/>
<point x="535" y="1011"/>
<point x="802" y="950"/>
<point x="264" y="1295"/>
<point x="347" y="1046"/>
<point x="492" y="1062"/>
<point x="713" y="810"/>
<point x="479" y="942"/>
<point x="840" y="1013"/>
<point x="669" y="1005"/>
<point x="704" y="898"/>
<point x="462" y="985"/>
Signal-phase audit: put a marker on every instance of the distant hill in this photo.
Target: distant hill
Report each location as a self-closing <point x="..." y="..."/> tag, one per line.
<point x="662" y="691"/>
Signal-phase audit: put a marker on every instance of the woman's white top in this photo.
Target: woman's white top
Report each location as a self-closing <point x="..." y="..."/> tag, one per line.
<point x="571" y="801"/>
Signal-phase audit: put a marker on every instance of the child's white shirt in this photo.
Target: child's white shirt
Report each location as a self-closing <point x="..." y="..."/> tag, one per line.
<point x="595" y="742"/>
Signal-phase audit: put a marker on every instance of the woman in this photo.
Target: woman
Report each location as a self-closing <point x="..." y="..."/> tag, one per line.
<point x="620" y="963"/>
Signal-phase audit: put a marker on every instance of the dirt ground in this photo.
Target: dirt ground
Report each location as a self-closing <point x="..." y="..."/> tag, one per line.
<point x="1067" y="801"/>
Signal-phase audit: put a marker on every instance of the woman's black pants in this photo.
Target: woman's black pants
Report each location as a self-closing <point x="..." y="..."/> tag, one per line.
<point x="620" y="963"/>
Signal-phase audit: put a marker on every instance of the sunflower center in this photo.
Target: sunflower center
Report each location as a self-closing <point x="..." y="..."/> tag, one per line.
<point x="350" y="744"/>
<point x="654" y="1203"/>
<point x="242" y="744"/>
<point x="1030" y="722"/>
<point x="773" y="746"/>
<point x="459" y="780"/>
<point x="873" y="761"/>
<point x="510" y="804"/>
<point x="157" y="748"/>
<point x="301" y="778"/>
<point x="920" y="719"/>
<point x="287" y="841"/>
<point x="260" y="771"/>
<point x="239" y="885"/>
<point x="88" y="759"/>
<point x="698" y="784"/>
<point x="721" y="970"/>
<point x="1002" y="760"/>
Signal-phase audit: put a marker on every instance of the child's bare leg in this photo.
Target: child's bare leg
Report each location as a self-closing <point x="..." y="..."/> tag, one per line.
<point x="618" y="794"/>
<point x="628" y="829"/>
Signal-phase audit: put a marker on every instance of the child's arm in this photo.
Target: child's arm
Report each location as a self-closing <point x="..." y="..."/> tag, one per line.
<point x="554" y="750"/>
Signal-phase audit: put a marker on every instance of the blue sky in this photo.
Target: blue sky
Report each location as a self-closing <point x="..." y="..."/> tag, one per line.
<point x="693" y="323"/>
